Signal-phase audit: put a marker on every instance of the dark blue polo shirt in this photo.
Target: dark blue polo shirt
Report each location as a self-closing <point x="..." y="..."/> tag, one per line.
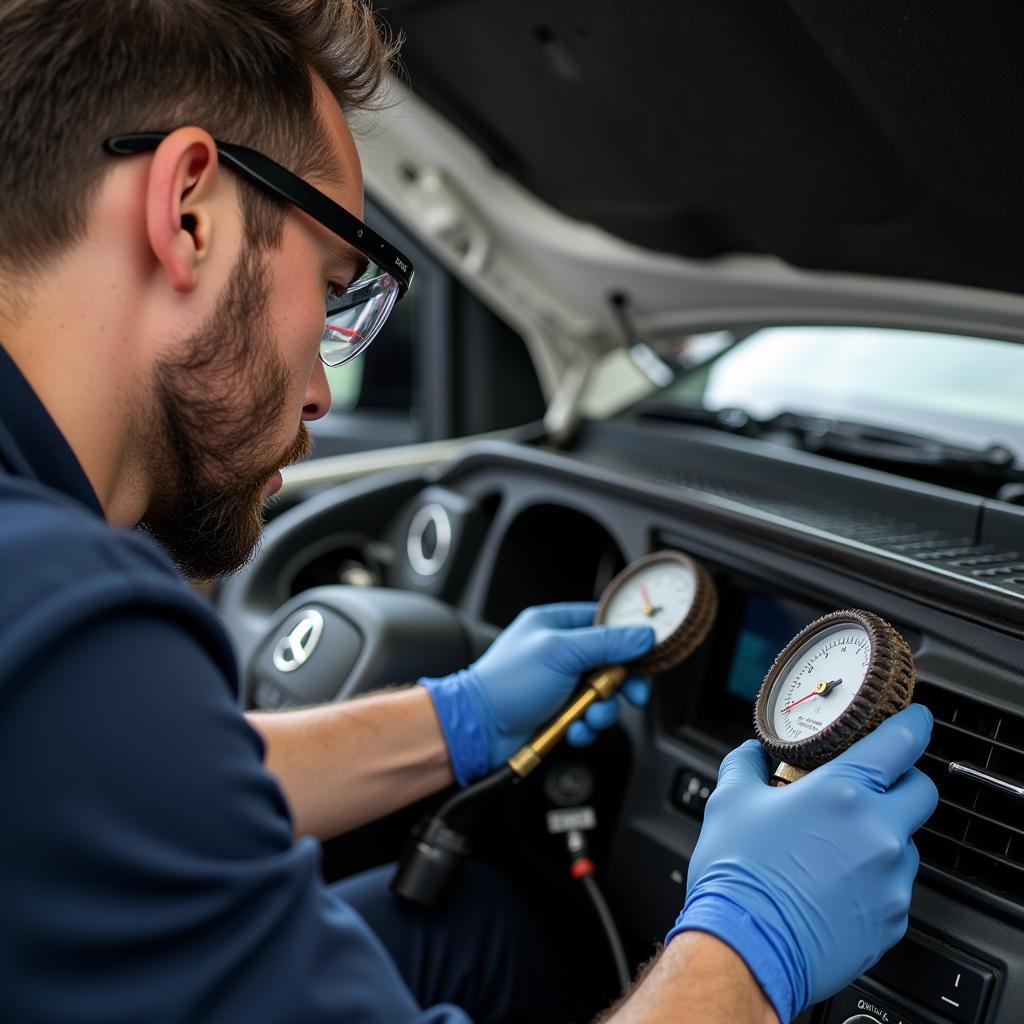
<point x="147" y="865"/>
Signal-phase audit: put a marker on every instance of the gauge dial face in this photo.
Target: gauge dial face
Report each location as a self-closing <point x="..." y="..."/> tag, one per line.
<point x="659" y="594"/>
<point x="819" y="681"/>
<point x="670" y="592"/>
<point x="831" y="685"/>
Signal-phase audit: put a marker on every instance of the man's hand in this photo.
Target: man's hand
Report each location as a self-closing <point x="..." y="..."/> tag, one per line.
<point x="811" y="883"/>
<point x="491" y="709"/>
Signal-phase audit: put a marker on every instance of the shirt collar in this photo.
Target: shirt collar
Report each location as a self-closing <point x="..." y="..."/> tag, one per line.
<point x="31" y="445"/>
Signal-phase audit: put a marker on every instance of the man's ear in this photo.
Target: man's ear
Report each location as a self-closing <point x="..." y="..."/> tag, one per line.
<point x="179" y="218"/>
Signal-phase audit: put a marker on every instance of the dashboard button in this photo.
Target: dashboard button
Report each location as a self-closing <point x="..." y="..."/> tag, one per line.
<point x="858" y="1006"/>
<point x="938" y="977"/>
<point x="691" y="792"/>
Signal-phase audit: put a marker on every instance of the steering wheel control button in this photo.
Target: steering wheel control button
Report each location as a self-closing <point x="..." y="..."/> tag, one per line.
<point x="429" y="541"/>
<point x="305" y="659"/>
<point x="268" y="696"/>
<point x="939" y="978"/>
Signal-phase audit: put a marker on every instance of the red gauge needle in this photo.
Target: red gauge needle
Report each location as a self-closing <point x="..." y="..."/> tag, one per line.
<point x="808" y="696"/>
<point x="648" y="607"/>
<point x="821" y="690"/>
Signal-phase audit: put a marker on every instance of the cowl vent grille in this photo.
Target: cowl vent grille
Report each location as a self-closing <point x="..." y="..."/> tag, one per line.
<point x="977" y="832"/>
<point x="961" y="556"/>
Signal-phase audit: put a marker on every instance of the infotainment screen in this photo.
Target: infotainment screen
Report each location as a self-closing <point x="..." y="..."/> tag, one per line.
<point x="766" y="627"/>
<point x="750" y="632"/>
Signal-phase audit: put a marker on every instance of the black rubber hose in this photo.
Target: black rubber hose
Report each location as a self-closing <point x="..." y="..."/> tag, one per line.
<point x="457" y="803"/>
<point x="612" y="933"/>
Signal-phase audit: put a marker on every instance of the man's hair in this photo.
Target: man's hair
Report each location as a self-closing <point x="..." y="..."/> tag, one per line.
<point x="74" y="72"/>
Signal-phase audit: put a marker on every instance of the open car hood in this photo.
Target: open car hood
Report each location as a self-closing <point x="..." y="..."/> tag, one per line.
<point x="881" y="138"/>
<point x="721" y="164"/>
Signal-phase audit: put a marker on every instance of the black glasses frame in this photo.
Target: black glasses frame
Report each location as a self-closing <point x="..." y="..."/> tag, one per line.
<point x="280" y="182"/>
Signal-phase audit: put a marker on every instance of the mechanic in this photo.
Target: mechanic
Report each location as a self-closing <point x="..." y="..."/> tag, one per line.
<point x="160" y="323"/>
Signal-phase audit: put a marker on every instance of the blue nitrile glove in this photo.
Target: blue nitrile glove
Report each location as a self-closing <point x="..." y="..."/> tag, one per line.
<point x="489" y="710"/>
<point x="810" y="884"/>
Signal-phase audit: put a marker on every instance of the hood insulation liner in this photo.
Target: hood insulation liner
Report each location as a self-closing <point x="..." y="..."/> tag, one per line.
<point x="873" y="137"/>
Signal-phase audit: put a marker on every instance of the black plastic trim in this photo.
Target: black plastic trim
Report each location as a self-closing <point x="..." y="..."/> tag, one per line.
<point x="977" y="601"/>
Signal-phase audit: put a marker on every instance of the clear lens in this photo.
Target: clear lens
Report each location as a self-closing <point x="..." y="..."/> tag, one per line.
<point x="353" y="321"/>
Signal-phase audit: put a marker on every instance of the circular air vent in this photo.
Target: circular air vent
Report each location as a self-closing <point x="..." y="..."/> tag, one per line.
<point x="430" y="539"/>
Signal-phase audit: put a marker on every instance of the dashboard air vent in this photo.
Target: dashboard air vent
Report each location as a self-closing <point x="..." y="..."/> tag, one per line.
<point x="977" y="832"/>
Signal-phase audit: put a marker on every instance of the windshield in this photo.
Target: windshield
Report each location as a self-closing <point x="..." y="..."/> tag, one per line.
<point x="967" y="390"/>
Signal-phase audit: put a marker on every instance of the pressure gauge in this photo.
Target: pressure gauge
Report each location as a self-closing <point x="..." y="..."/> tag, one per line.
<point x="670" y="592"/>
<point x="831" y="685"/>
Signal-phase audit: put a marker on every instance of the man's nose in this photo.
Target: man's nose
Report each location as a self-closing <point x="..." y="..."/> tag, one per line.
<point x="318" y="394"/>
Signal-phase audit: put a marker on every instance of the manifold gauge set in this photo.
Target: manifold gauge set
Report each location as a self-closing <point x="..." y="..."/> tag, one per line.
<point x="835" y="681"/>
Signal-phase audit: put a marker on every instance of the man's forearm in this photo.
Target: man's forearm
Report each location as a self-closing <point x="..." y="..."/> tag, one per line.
<point x="342" y="765"/>
<point x="696" y="978"/>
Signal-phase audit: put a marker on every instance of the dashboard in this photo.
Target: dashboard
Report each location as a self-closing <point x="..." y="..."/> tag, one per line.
<point x="786" y="537"/>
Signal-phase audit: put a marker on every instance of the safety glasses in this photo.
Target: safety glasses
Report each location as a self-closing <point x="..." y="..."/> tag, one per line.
<point x="355" y="316"/>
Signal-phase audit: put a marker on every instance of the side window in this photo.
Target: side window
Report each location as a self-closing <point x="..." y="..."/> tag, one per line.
<point x="443" y="366"/>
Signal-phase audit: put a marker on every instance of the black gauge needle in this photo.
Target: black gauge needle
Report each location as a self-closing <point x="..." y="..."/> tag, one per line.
<point x="822" y="689"/>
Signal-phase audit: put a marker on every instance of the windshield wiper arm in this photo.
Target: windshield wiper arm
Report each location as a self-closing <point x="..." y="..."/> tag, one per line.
<point x="869" y="441"/>
<point x="855" y="440"/>
<point x="736" y="421"/>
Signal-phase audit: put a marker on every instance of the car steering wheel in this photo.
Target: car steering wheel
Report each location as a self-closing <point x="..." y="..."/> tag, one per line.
<point x="333" y="642"/>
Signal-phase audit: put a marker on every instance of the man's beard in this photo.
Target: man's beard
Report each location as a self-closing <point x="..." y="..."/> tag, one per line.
<point x="219" y="403"/>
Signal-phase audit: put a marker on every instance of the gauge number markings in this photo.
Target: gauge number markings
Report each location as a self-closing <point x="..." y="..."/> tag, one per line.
<point x="645" y="598"/>
<point x="810" y="719"/>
